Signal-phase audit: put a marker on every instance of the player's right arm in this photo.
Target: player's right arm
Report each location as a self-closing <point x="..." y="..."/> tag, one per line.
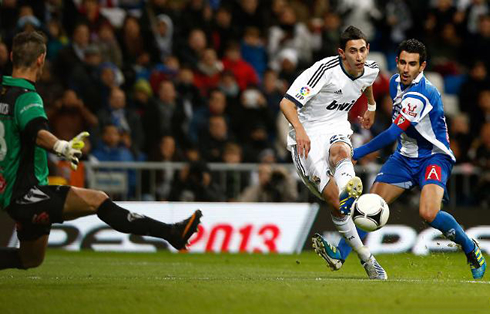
<point x="303" y="143"/>
<point x="71" y="150"/>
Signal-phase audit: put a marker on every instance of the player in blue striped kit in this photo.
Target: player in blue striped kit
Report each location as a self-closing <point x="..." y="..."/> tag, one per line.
<point x="422" y="156"/>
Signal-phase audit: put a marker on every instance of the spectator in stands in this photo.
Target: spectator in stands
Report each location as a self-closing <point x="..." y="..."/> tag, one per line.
<point x="477" y="81"/>
<point x="195" y="184"/>
<point x="208" y="72"/>
<point x="69" y="116"/>
<point x="481" y="115"/>
<point x="290" y="34"/>
<point x="126" y="120"/>
<point x="223" y="31"/>
<point x="251" y="112"/>
<point x="330" y="36"/>
<point x="167" y="151"/>
<point x="482" y="159"/>
<point x="163" y="33"/>
<point x="196" y="14"/>
<point x="459" y="132"/>
<point x="136" y="48"/>
<point x="5" y="64"/>
<point x="190" y="53"/>
<point x="110" y="148"/>
<point x="85" y="78"/>
<point x="212" y="142"/>
<point x="109" y="46"/>
<point x="248" y="13"/>
<point x="273" y="90"/>
<point x="253" y="50"/>
<point x="244" y="73"/>
<point x="142" y="96"/>
<point x="229" y="86"/>
<point x="479" y="43"/>
<point x="275" y="185"/>
<point x="57" y="39"/>
<point x="90" y="14"/>
<point x="158" y="119"/>
<point x="187" y="91"/>
<point x="74" y="54"/>
<point x="49" y="86"/>
<point x="199" y="123"/>
<point x="236" y="180"/>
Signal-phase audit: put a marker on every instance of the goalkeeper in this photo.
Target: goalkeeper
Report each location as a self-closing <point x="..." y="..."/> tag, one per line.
<point x="24" y="193"/>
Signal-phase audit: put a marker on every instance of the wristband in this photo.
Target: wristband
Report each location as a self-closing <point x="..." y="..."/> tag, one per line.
<point x="371" y="107"/>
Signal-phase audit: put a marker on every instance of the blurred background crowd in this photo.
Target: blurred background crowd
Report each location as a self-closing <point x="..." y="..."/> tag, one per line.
<point x="200" y="81"/>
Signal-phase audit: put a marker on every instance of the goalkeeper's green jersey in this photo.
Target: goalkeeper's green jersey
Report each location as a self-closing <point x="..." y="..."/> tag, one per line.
<point x="22" y="163"/>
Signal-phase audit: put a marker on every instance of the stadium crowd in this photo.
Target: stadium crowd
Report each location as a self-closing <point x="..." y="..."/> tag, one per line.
<point x="201" y="80"/>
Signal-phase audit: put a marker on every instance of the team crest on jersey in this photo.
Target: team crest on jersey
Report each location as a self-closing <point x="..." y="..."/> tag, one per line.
<point x="411" y="110"/>
<point x="304" y="91"/>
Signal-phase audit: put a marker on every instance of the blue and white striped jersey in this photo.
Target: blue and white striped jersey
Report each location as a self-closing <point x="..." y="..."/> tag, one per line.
<point x="420" y="104"/>
<point x="324" y="94"/>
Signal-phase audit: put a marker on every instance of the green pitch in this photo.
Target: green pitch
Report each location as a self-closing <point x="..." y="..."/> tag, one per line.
<point x="91" y="282"/>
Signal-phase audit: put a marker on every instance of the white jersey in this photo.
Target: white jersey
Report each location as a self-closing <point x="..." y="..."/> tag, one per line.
<point x="324" y="94"/>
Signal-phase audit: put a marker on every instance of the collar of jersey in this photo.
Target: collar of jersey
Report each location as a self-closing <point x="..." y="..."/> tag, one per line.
<point x="416" y="81"/>
<point x="18" y="82"/>
<point x="346" y="73"/>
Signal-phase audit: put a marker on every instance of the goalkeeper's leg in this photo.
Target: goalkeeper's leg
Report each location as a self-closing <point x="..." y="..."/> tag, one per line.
<point x="82" y="202"/>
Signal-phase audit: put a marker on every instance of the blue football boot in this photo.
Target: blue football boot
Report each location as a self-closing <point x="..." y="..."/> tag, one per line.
<point x="351" y="192"/>
<point x="477" y="262"/>
<point x="328" y="252"/>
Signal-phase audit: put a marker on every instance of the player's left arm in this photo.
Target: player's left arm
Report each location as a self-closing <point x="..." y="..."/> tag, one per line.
<point x="367" y="120"/>
<point x="386" y="137"/>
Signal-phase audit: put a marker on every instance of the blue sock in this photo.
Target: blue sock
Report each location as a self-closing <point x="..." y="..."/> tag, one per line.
<point x="446" y="223"/>
<point x="345" y="248"/>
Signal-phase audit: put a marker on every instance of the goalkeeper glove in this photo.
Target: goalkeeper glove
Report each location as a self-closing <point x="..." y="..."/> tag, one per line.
<point x="71" y="150"/>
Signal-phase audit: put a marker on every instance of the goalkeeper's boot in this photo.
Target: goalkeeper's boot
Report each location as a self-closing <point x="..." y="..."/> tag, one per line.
<point x="477" y="262"/>
<point x="374" y="269"/>
<point x="351" y="192"/>
<point x="183" y="230"/>
<point x="328" y="252"/>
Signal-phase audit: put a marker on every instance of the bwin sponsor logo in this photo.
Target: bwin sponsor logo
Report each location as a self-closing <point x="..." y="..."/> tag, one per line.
<point x="336" y="106"/>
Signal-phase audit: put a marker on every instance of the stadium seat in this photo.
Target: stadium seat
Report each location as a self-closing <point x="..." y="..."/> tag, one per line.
<point x="380" y="59"/>
<point x="451" y="105"/>
<point x="437" y="80"/>
<point x="452" y="83"/>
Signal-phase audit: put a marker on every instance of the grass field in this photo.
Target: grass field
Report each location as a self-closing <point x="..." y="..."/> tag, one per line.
<point x="94" y="282"/>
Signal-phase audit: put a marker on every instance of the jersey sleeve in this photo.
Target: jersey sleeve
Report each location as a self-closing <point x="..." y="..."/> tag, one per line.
<point x="415" y="107"/>
<point x="308" y="84"/>
<point x="28" y="107"/>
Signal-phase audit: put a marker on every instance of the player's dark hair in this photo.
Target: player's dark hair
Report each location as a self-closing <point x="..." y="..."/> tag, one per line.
<point x="351" y="33"/>
<point x="26" y="48"/>
<point x="413" y="46"/>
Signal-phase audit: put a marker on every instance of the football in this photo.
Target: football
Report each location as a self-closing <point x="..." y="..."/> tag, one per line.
<point x="370" y="212"/>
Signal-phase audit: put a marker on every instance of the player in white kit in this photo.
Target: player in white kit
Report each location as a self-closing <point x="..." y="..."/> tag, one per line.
<point x="317" y="106"/>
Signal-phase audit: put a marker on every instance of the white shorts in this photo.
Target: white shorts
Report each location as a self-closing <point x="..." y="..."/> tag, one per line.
<point x="315" y="170"/>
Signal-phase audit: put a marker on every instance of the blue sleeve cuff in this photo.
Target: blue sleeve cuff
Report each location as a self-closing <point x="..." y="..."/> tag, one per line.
<point x="386" y="137"/>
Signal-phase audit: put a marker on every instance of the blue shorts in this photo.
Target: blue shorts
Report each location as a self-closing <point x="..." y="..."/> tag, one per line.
<point x="407" y="172"/>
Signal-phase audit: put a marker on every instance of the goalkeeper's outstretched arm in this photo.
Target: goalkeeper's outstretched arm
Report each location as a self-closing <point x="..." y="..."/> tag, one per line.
<point x="71" y="150"/>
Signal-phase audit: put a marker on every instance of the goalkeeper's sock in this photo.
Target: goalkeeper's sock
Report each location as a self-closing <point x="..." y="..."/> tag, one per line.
<point x="344" y="171"/>
<point x="345" y="226"/>
<point x="10" y="258"/>
<point x="125" y="221"/>
<point x="452" y="230"/>
<point x="345" y="248"/>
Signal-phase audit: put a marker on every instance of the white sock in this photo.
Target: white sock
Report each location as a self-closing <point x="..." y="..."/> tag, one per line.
<point x="345" y="226"/>
<point x="344" y="171"/>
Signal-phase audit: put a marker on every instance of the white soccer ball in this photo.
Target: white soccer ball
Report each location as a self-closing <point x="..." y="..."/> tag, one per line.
<point x="370" y="212"/>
